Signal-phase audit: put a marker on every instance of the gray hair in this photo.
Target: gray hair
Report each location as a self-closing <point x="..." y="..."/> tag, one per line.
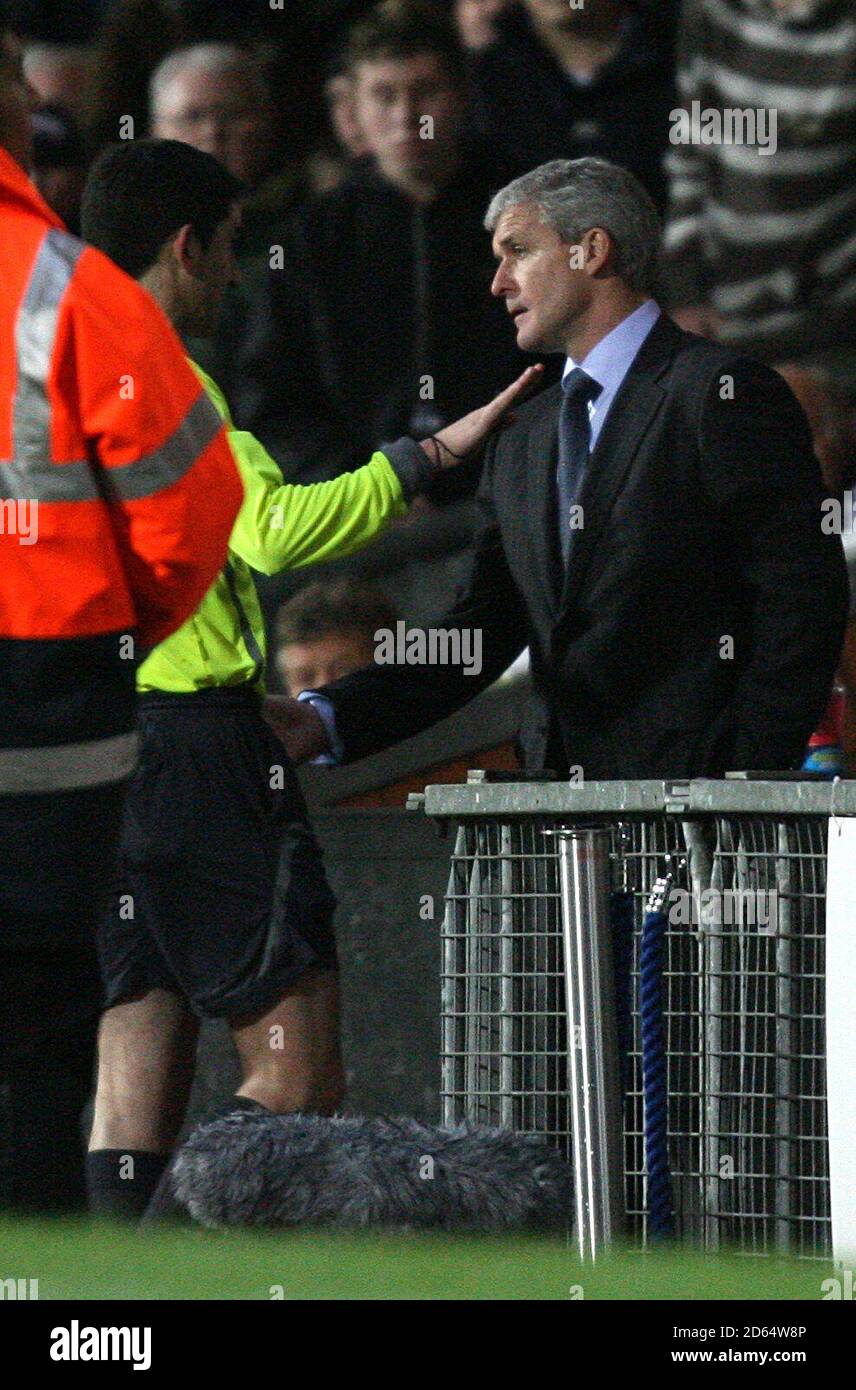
<point x="213" y="58"/>
<point x="573" y="195"/>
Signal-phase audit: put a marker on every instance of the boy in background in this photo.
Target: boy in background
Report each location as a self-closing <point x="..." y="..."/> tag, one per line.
<point x="326" y="631"/>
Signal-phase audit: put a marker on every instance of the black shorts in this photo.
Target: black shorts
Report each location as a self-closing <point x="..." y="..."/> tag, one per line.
<point x="221" y="894"/>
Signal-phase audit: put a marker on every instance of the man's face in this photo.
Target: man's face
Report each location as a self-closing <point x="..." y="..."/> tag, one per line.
<point x="217" y="269"/>
<point x="18" y="101"/>
<point x="391" y="96"/>
<point x="219" y="114"/>
<point x="309" y="665"/>
<point x="542" y="292"/>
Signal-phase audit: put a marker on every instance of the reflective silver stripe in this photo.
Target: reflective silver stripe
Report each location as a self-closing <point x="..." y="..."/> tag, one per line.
<point x="76" y="481"/>
<point x="247" y="633"/>
<point x="48" y="482"/>
<point x="70" y="767"/>
<point x="164" y="466"/>
<point x="31" y="473"/>
<point x="35" y="334"/>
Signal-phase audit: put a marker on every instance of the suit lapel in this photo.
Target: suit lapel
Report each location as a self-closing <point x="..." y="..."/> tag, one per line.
<point x="630" y="415"/>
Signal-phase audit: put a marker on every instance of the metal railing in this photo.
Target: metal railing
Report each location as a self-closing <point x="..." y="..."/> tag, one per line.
<point x="743" y="988"/>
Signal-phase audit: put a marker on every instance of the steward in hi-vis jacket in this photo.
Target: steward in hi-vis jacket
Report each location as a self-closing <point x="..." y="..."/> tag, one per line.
<point x="118" y="492"/>
<point x="118" y="495"/>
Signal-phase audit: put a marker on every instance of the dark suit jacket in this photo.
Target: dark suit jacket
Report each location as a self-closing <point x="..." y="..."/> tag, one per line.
<point x="699" y="623"/>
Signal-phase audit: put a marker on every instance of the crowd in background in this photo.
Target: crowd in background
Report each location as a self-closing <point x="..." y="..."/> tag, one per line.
<point x="369" y="138"/>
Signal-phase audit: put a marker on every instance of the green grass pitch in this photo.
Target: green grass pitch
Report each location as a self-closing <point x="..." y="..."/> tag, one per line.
<point x="78" y="1261"/>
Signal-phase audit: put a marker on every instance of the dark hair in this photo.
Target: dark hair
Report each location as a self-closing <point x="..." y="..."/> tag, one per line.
<point x="139" y="193"/>
<point x="404" y="29"/>
<point x="342" y="605"/>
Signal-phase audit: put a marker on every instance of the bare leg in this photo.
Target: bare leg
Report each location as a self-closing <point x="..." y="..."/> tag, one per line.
<point x="291" y="1056"/>
<point x="146" y="1060"/>
<point x="290" y="1060"/>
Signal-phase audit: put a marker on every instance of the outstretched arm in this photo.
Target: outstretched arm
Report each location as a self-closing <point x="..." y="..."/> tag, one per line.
<point x="289" y="525"/>
<point x="384" y="704"/>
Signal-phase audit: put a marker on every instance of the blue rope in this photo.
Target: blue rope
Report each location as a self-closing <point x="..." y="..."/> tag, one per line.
<point x="623" y="921"/>
<point x="660" y="1212"/>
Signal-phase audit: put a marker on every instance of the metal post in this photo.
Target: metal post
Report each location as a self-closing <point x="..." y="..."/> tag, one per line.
<point x="507" y="1047"/>
<point x="787" y="1002"/>
<point x="711" y="1007"/>
<point x="593" y="1066"/>
<point x="477" y="978"/>
<point x="453" y="1082"/>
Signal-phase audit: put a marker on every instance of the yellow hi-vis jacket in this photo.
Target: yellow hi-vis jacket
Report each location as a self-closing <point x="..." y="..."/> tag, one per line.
<point x="279" y="526"/>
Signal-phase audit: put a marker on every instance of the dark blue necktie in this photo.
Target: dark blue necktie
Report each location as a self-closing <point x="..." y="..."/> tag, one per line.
<point x="574" y="442"/>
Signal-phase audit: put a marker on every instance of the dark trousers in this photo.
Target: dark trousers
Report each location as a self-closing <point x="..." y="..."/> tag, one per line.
<point x="57" y="863"/>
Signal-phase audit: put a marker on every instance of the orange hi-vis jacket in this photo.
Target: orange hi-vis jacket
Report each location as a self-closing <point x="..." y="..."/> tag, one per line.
<point x="118" y="492"/>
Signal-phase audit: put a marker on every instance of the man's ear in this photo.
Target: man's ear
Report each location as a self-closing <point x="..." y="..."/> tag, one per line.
<point x="598" y="249"/>
<point x="186" y="249"/>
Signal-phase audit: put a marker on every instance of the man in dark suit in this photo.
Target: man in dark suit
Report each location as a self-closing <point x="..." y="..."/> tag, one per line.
<point x="650" y="528"/>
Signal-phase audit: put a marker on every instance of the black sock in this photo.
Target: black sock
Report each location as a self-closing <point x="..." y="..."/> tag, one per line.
<point x="120" y="1182"/>
<point x="163" y="1207"/>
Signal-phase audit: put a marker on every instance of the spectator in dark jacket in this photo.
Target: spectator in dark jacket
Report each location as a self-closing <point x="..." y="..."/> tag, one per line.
<point x="377" y="318"/>
<point x="566" y="79"/>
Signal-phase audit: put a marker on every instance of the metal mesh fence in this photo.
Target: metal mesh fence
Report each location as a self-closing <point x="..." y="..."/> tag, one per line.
<point x="743" y="997"/>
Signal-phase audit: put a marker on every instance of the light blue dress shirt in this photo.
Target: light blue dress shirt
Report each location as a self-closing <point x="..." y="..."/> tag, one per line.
<point x="608" y="364"/>
<point x="324" y="707"/>
<point x="609" y="360"/>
